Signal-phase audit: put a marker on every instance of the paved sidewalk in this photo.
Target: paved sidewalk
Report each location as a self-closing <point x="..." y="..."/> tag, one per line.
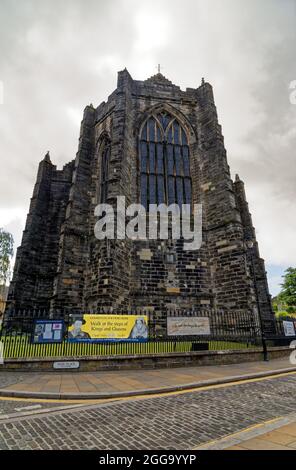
<point x="111" y="384"/>
<point x="283" y="438"/>
<point x="274" y="434"/>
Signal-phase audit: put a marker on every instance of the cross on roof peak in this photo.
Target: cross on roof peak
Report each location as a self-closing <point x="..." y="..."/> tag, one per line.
<point x="158" y="68"/>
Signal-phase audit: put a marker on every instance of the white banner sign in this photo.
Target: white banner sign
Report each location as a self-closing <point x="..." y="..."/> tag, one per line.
<point x="289" y="328"/>
<point x="188" y="326"/>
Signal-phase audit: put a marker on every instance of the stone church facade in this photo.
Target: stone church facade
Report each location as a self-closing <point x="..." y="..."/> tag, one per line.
<point x="150" y="142"/>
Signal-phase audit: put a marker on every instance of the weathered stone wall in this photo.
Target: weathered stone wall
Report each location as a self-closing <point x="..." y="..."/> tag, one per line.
<point x="73" y="249"/>
<point x="36" y="259"/>
<point x="258" y="279"/>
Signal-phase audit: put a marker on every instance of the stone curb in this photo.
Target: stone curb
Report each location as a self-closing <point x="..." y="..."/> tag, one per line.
<point x="150" y="391"/>
<point x="253" y="432"/>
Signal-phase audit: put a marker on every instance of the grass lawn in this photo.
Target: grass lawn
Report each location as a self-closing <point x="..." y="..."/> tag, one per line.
<point x="20" y="346"/>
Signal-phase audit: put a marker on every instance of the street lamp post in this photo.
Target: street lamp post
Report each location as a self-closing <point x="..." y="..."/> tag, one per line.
<point x="250" y="245"/>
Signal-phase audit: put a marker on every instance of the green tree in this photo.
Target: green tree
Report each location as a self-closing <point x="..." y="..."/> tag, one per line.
<point x="6" y="253"/>
<point x="288" y="292"/>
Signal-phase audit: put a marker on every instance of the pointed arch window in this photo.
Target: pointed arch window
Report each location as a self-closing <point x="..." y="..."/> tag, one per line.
<point x="105" y="156"/>
<point x="164" y="162"/>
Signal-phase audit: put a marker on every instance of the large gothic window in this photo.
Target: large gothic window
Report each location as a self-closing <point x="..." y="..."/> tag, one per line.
<point x="105" y="155"/>
<point x="164" y="162"/>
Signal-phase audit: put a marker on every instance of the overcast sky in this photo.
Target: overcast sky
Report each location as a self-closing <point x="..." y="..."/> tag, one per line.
<point x="57" y="56"/>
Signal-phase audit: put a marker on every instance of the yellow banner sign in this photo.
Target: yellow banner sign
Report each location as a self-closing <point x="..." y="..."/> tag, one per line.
<point x="92" y="328"/>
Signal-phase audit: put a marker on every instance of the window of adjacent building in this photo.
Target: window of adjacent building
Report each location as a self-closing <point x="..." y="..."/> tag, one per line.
<point x="164" y="162"/>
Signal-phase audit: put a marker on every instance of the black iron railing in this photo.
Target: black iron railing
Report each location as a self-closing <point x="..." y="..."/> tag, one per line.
<point x="228" y="330"/>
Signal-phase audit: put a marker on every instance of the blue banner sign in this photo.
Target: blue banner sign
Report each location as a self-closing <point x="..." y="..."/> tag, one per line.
<point x="48" y="331"/>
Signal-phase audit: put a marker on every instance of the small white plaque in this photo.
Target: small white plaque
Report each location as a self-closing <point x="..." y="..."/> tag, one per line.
<point x="289" y="328"/>
<point x="66" y="365"/>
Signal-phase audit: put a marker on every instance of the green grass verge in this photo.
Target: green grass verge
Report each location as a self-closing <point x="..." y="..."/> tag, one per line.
<point x="20" y="346"/>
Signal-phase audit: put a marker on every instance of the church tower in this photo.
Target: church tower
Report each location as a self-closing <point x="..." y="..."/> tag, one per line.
<point x="152" y="143"/>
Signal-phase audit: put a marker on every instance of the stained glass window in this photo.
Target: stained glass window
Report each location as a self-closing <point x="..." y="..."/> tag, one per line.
<point x="164" y="162"/>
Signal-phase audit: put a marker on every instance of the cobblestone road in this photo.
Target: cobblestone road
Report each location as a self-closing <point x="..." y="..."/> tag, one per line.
<point x="168" y="422"/>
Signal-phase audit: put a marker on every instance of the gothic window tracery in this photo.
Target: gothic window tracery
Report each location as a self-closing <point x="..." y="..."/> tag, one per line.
<point x="164" y="162"/>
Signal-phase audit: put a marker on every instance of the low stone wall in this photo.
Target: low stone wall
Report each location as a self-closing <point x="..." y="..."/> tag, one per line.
<point x="147" y="361"/>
